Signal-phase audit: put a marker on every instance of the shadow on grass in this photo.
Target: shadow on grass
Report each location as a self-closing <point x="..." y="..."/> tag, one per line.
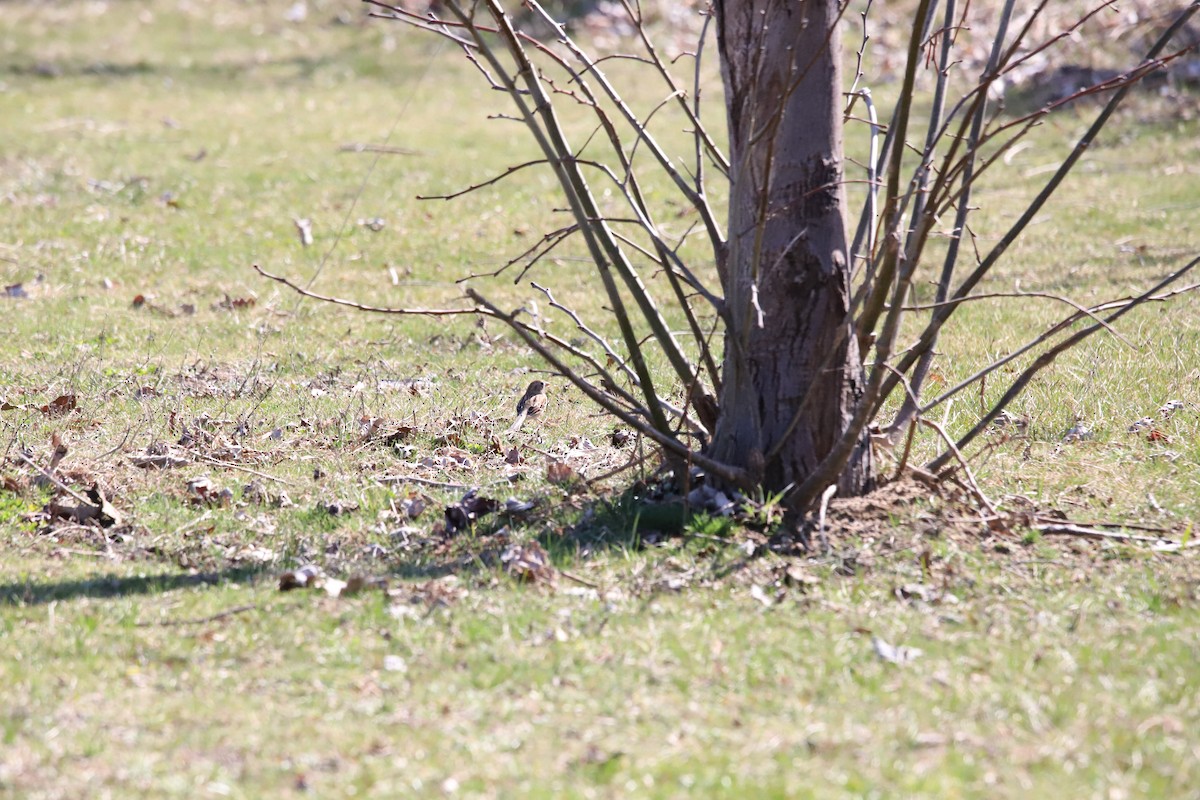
<point x="34" y="592"/>
<point x="302" y="67"/>
<point x="625" y="525"/>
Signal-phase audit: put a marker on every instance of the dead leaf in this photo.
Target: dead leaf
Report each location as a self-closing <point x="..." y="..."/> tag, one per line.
<point x="203" y="490"/>
<point x="92" y="508"/>
<point x="796" y="576"/>
<point x="332" y="586"/>
<point x="360" y="583"/>
<point x="560" y="473"/>
<point x="63" y="404"/>
<point x="234" y="303"/>
<point x="514" y="507"/>
<point x="338" y="508"/>
<point x="894" y="654"/>
<point x="304" y="229"/>
<point x="759" y="594"/>
<point x="412" y="507"/>
<point x="917" y="591"/>
<point x="159" y="455"/>
<point x="528" y="562"/>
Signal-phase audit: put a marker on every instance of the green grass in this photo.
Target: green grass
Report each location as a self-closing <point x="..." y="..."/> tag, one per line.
<point x="160" y="151"/>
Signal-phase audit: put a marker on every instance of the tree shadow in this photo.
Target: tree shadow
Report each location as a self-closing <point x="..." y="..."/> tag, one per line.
<point x="625" y="523"/>
<point x="33" y="592"/>
<point x="54" y="69"/>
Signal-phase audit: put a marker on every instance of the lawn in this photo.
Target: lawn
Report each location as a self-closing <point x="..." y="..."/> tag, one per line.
<point x="571" y="642"/>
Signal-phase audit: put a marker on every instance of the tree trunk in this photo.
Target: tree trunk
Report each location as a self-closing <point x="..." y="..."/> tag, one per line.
<point x="786" y="271"/>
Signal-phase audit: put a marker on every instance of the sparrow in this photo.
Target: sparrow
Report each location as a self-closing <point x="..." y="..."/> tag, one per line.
<point x="532" y="403"/>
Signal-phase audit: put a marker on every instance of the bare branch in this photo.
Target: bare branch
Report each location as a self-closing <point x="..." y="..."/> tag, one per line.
<point x="1047" y="358"/>
<point x="734" y="475"/>
<point x="337" y="301"/>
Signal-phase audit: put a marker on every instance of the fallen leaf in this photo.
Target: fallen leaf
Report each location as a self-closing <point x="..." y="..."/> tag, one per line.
<point x="203" y="490"/>
<point x="338" y="508"/>
<point x="515" y="507"/>
<point x="63" y="404"/>
<point x="560" y="473"/>
<point x="92" y="508"/>
<point x="528" y="562"/>
<point x="796" y="576"/>
<point x="412" y="506"/>
<point x="1078" y="432"/>
<point x="917" y="591"/>
<point x="234" y="303"/>
<point x="333" y="587"/>
<point x="759" y="594"/>
<point x="894" y="654"/>
<point x="304" y="228"/>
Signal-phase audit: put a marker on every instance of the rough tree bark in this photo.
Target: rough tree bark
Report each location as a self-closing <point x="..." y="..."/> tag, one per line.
<point x="786" y="272"/>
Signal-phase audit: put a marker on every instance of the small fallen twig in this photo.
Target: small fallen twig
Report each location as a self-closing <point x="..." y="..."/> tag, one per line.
<point x="48" y="476"/>
<point x="579" y="580"/>
<point x="98" y="508"/>
<point x="636" y="461"/>
<point x="435" y="484"/>
<point x="362" y="147"/>
<point x="218" y="463"/>
<point x="980" y="497"/>
<point x="200" y="620"/>
<point x="826" y="496"/>
<point x="1068" y="529"/>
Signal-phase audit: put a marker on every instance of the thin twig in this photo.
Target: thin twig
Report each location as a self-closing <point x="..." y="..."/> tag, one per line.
<point x="826" y="496"/>
<point x="361" y="147"/>
<point x="240" y="468"/>
<point x="579" y="580"/>
<point x="1070" y="529"/>
<point x="427" y="312"/>
<point x="980" y="497"/>
<point x="166" y="623"/>
<point x="62" y="486"/>
<point x="1046" y="336"/>
<point x="1048" y="357"/>
<point x="630" y="464"/>
<point x="435" y="484"/>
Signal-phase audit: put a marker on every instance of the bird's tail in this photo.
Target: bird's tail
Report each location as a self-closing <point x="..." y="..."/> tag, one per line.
<point x="518" y="423"/>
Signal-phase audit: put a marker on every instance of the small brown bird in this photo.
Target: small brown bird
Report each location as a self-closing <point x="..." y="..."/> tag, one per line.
<point x="532" y="403"/>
